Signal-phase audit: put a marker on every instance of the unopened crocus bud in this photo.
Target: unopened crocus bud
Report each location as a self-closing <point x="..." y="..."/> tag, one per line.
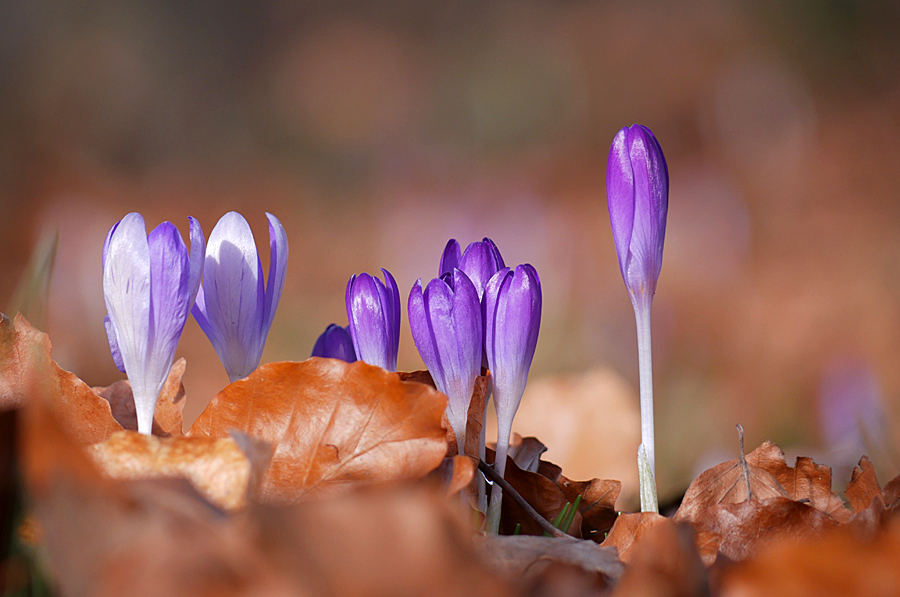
<point x="236" y="305"/>
<point x="512" y="312"/>
<point x="373" y="309"/>
<point x="149" y="284"/>
<point x="479" y="262"/>
<point x="335" y="343"/>
<point x="445" y="320"/>
<point x="637" y="190"/>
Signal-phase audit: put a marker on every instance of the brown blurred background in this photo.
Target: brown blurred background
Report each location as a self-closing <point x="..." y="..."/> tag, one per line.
<point x="376" y="131"/>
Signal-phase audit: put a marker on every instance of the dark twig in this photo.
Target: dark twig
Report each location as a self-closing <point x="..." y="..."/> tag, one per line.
<point x="545" y="525"/>
<point x="744" y="464"/>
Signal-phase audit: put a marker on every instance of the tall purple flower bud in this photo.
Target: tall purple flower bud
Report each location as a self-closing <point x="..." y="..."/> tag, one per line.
<point x="149" y="284"/>
<point x="637" y="190"/>
<point x="335" y="343"/>
<point x="373" y="309"/>
<point x="446" y="326"/>
<point x="479" y="262"/>
<point x="512" y="312"/>
<point x="236" y="305"/>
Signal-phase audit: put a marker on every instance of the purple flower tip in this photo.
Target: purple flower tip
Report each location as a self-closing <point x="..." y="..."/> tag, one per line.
<point x="373" y="309"/>
<point x="637" y="190"/>
<point x="479" y="261"/>
<point x="236" y="305"/>
<point x="512" y="314"/>
<point x="445" y="320"/>
<point x="335" y="343"/>
<point x="149" y="284"/>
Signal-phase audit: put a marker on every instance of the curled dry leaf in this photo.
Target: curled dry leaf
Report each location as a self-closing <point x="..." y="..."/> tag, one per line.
<point x="519" y="556"/>
<point x="838" y="564"/>
<point x="666" y="564"/>
<point x="541" y="493"/>
<point x="217" y="468"/>
<point x="598" y="500"/>
<point x="331" y="425"/>
<point x="27" y="371"/>
<point x="738" y="531"/>
<point x="863" y="486"/>
<point x="167" y="418"/>
<point x="628" y="530"/>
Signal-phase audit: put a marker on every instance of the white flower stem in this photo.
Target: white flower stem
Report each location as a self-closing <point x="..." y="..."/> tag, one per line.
<point x="492" y="523"/>
<point x="647" y="468"/>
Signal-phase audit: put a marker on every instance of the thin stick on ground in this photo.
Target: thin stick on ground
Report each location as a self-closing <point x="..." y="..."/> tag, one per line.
<point x="545" y="524"/>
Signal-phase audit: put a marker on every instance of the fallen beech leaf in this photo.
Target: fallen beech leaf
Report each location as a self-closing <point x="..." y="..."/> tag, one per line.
<point x="474" y="421"/>
<point x="167" y="418"/>
<point x="331" y="425"/>
<point x="863" y="486"/>
<point x="598" y="499"/>
<point x="526" y="451"/>
<point x="516" y="557"/>
<point x="665" y="565"/>
<point x="808" y="482"/>
<point x="743" y="528"/>
<point x="383" y="540"/>
<point x="726" y="483"/>
<point x="837" y="565"/>
<point x="217" y="468"/>
<point x="454" y="474"/>
<point x="891" y="494"/>
<point x="27" y="370"/>
<point x="628" y="530"/>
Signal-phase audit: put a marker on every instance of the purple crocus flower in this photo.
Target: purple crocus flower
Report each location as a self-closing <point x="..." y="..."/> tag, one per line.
<point x="637" y="190"/>
<point x="335" y="343"/>
<point x="373" y="309"/>
<point x="512" y="312"/>
<point x="479" y="262"/>
<point x="149" y="284"/>
<point x="234" y="308"/>
<point x="445" y="321"/>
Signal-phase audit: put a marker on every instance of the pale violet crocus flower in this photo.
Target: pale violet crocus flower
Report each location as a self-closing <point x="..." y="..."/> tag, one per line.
<point x="235" y="306"/>
<point x="373" y="309"/>
<point x="512" y="313"/>
<point x="335" y="343"/>
<point x="149" y="284"/>
<point x="445" y="320"/>
<point x="637" y="190"/>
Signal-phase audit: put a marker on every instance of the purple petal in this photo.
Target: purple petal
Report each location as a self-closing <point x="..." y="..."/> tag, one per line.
<point x="106" y="243"/>
<point x="126" y="289"/>
<point x="198" y="256"/>
<point x="335" y="343"/>
<point x="373" y="310"/>
<point x="423" y="337"/>
<point x="278" y="247"/>
<point x="233" y="296"/>
<point x="449" y="258"/>
<point x="170" y="300"/>
<point x="513" y="312"/>
<point x="651" y="184"/>
<point x="620" y="196"/>
<point x="113" y="343"/>
<point x="392" y="293"/>
<point x="481" y="261"/>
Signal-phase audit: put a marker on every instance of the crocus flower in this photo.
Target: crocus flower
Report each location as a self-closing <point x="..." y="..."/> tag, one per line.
<point x="479" y="262"/>
<point x="445" y="321"/>
<point x="373" y="309"/>
<point x="149" y="284"/>
<point x="512" y="312"/>
<point x="637" y="190"/>
<point x="335" y="343"/>
<point x="234" y="308"/>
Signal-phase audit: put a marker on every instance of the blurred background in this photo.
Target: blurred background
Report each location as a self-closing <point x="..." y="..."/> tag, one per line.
<point x="376" y="131"/>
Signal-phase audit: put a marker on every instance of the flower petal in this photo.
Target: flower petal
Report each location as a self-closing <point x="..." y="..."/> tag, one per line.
<point x="620" y="196"/>
<point x="449" y="258"/>
<point x="278" y="247"/>
<point x="113" y="343"/>
<point x="335" y="343"/>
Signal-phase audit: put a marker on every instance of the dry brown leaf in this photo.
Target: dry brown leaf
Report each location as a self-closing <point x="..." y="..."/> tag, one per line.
<point x="332" y="425"/>
<point x="598" y="504"/>
<point x="217" y="468"/>
<point x="891" y="494"/>
<point x="27" y="369"/>
<point x="519" y="557"/>
<point x="541" y="493"/>
<point x="838" y="565"/>
<point x="628" y="530"/>
<point x="726" y="483"/>
<point x="806" y="482"/>
<point x="666" y="564"/>
<point x="454" y="474"/>
<point x="167" y="418"/>
<point x="743" y="528"/>
<point x="863" y="486"/>
<point x="527" y="451"/>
